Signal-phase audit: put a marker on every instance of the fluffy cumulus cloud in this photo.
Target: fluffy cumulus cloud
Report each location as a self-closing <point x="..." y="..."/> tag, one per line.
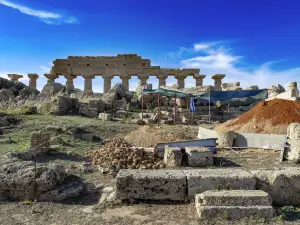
<point x="50" y="18"/>
<point x="216" y="57"/>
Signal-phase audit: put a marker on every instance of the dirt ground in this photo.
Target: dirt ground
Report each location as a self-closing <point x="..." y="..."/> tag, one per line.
<point x="86" y="209"/>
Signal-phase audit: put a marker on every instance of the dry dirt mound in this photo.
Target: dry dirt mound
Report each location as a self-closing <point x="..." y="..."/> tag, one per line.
<point x="150" y="136"/>
<point x="272" y="117"/>
<point x="119" y="154"/>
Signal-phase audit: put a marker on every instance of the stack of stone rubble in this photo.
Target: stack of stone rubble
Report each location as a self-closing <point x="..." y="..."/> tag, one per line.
<point x="118" y="154"/>
<point x="293" y="134"/>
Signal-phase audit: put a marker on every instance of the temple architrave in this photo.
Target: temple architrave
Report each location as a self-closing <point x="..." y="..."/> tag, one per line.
<point x="123" y="65"/>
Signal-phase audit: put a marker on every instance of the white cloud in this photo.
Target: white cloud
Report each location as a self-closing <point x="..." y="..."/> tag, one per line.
<point x="47" y="17"/>
<point x="214" y="58"/>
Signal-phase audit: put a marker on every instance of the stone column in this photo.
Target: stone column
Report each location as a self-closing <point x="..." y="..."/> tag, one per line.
<point x="14" y="77"/>
<point x="69" y="82"/>
<point x="88" y="85"/>
<point x="218" y="81"/>
<point x="143" y="78"/>
<point x="162" y="79"/>
<point x="32" y="80"/>
<point x="107" y="82"/>
<point x="180" y="81"/>
<point x="199" y="79"/>
<point x="51" y="77"/>
<point x="125" y="81"/>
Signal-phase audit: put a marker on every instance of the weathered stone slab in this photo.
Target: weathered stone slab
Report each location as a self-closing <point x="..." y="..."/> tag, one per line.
<point x="199" y="156"/>
<point x="234" y="198"/>
<point x="201" y="180"/>
<point x="235" y="212"/>
<point x="151" y="184"/>
<point x="105" y="116"/>
<point x="283" y="185"/>
<point x="172" y="156"/>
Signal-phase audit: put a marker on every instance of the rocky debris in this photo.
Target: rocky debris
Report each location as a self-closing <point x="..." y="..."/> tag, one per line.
<point x="108" y="194"/>
<point x="59" y="105"/>
<point x="21" y="181"/>
<point x="117" y="92"/>
<point x="6" y="120"/>
<point x="275" y="90"/>
<point x="6" y="94"/>
<point x="254" y="87"/>
<point x="89" y="112"/>
<point x="81" y="133"/>
<point x="27" y="91"/>
<point x="118" y="154"/>
<point x="231" y="86"/>
<point x="14" y="86"/>
<point x="96" y="104"/>
<point x="52" y="89"/>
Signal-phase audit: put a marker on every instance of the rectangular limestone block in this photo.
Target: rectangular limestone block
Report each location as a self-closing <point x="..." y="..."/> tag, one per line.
<point x="151" y="184"/>
<point x="282" y="184"/>
<point x="199" y="156"/>
<point x="105" y="116"/>
<point x="235" y="212"/>
<point x="200" y="180"/>
<point x="172" y="156"/>
<point x="234" y="198"/>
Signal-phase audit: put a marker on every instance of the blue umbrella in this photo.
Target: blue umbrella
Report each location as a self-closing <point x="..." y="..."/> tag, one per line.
<point x="192" y="105"/>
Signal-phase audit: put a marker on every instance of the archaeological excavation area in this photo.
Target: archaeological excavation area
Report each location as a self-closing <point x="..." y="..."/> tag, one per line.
<point x="207" y="154"/>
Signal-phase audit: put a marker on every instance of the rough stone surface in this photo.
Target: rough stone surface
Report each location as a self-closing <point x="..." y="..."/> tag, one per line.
<point x="27" y="91"/>
<point x="172" y="156"/>
<point x="199" y="156"/>
<point x="105" y="116"/>
<point x="275" y="90"/>
<point x="293" y="131"/>
<point x="51" y="89"/>
<point x="235" y="212"/>
<point x="6" y="94"/>
<point x="234" y="198"/>
<point x="200" y="180"/>
<point x="89" y="112"/>
<point x="151" y="184"/>
<point x="283" y="185"/>
<point x="293" y="134"/>
<point x="18" y="180"/>
<point x="225" y="139"/>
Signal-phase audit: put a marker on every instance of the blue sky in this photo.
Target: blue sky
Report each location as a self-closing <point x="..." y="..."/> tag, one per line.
<point x="255" y="42"/>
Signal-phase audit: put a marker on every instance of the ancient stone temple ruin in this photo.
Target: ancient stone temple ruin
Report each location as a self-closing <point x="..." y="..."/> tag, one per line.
<point x="123" y="65"/>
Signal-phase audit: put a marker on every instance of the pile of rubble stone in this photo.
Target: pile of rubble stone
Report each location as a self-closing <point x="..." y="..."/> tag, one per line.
<point x="119" y="154"/>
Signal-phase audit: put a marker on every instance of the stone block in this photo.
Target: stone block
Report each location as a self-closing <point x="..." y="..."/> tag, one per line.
<point x="293" y="131"/>
<point x="282" y="184"/>
<point x="105" y="116"/>
<point x="151" y="185"/>
<point x="172" y="156"/>
<point x="199" y="156"/>
<point x="235" y="212"/>
<point x="234" y="198"/>
<point x="200" y="180"/>
<point x="225" y="139"/>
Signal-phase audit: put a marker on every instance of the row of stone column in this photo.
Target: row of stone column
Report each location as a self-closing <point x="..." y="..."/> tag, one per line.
<point x="88" y="86"/>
